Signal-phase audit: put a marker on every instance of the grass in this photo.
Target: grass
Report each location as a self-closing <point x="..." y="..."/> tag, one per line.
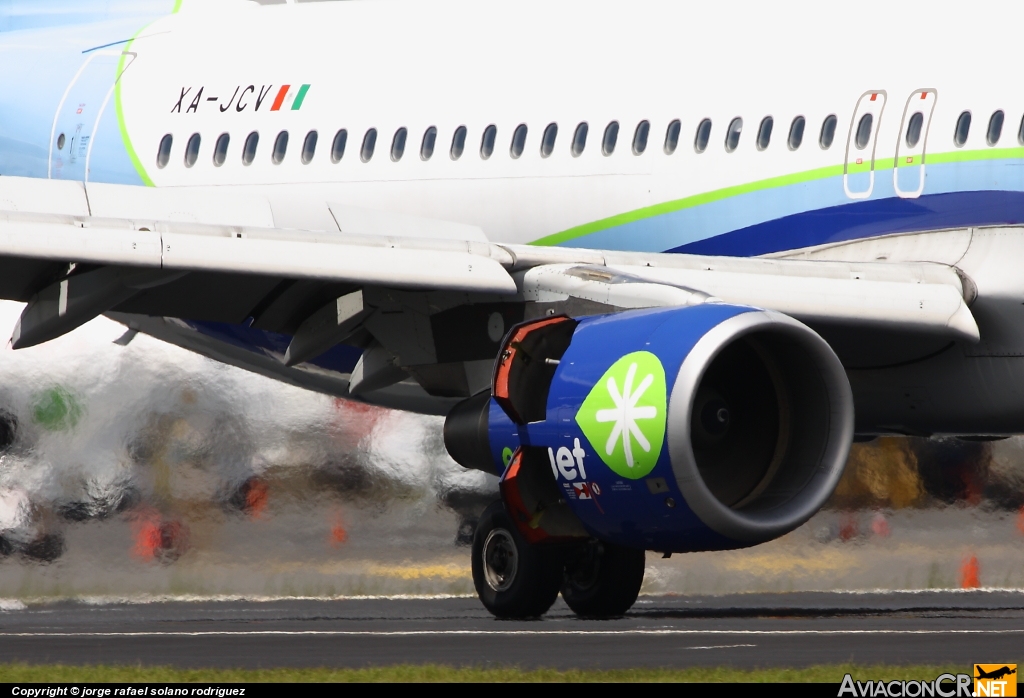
<point x="60" y="673"/>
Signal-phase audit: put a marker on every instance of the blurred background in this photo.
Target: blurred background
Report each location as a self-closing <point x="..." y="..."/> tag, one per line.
<point x="136" y="470"/>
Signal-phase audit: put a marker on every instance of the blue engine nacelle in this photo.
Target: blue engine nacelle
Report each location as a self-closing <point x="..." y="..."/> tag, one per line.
<point x="682" y="429"/>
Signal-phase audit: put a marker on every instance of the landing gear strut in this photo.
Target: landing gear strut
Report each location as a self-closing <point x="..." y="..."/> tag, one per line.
<point x="516" y="579"/>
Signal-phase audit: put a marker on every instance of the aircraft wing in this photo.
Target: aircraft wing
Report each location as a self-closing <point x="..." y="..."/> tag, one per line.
<point x="170" y="246"/>
<point x="916" y="297"/>
<point x="72" y="256"/>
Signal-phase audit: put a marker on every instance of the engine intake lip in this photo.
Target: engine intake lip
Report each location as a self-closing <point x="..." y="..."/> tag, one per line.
<point x="751" y="525"/>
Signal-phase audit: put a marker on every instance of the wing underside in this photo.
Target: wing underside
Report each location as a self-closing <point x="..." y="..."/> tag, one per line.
<point x="422" y="309"/>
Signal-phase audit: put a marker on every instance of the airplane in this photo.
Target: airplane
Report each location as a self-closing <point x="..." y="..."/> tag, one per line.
<point x="995" y="673"/>
<point x="658" y="264"/>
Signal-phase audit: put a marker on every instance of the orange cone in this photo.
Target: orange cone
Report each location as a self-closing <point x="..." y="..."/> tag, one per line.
<point x="848" y="528"/>
<point x="147" y="540"/>
<point x="969" y="573"/>
<point x="879" y="526"/>
<point x="339" y="535"/>
<point x="256" y="497"/>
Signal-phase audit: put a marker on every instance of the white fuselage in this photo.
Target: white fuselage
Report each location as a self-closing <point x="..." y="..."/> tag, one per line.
<point x="392" y="64"/>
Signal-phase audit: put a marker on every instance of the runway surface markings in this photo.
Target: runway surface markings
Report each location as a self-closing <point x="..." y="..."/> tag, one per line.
<point x="716" y="647"/>
<point x="413" y="633"/>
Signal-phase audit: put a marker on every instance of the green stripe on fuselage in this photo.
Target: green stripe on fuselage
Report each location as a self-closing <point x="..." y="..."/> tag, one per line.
<point x="881" y="165"/>
<point x="688" y="202"/>
<point x="122" y="127"/>
<point x="969" y="155"/>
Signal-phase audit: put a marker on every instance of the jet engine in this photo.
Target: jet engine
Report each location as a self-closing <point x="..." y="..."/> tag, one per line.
<point x="681" y="429"/>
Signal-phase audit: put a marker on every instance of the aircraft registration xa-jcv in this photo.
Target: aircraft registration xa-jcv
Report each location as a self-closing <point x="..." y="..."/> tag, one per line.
<point x="659" y="263"/>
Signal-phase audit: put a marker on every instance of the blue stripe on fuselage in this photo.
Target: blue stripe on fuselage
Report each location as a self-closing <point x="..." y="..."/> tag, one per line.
<point x="863" y="219"/>
<point x="979" y="192"/>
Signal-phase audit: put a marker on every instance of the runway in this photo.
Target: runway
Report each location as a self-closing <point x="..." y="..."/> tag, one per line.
<point x="745" y="630"/>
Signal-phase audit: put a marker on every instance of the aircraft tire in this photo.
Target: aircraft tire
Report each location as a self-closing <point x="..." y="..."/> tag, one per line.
<point x="513" y="578"/>
<point x="602" y="580"/>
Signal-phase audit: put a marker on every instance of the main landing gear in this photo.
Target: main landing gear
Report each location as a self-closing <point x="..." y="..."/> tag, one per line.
<point x="515" y="579"/>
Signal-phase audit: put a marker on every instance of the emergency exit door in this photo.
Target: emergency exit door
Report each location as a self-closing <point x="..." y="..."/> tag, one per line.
<point x="859" y="166"/>
<point x="908" y="173"/>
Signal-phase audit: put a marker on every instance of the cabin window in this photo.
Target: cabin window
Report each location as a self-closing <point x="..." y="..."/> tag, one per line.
<point x="427" y="146"/>
<point x="913" y="136"/>
<point x="518" y="141"/>
<point x="963" y="129"/>
<point x="369" y="143"/>
<point x="458" y="143"/>
<point x="796" y="133"/>
<point x="309" y="147"/>
<point x="60" y="142"/>
<point x="863" y="136"/>
<point x="732" y="134"/>
<point x="249" y="150"/>
<point x="672" y="136"/>
<point x="547" y="143"/>
<point x="995" y="127"/>
<point x="280" y="148"/>
<point x="487" y="141"/>
<point x="338" y="146"/>
<point x="163" y="153"/>
<point x="398" y="144"/>
<point x="764" y="132"/>
<point x="611" y="137"/>
<point x="828" y="132"/>
<point x="192" y="149"/>
<point x="220" y="149"/>
<point x="703" y="136"/>
<point x="579" y="139"/>
<point x="643" y="131"/>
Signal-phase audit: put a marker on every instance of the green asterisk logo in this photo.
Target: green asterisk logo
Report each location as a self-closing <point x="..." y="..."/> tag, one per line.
<point x="623" y="417"/>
